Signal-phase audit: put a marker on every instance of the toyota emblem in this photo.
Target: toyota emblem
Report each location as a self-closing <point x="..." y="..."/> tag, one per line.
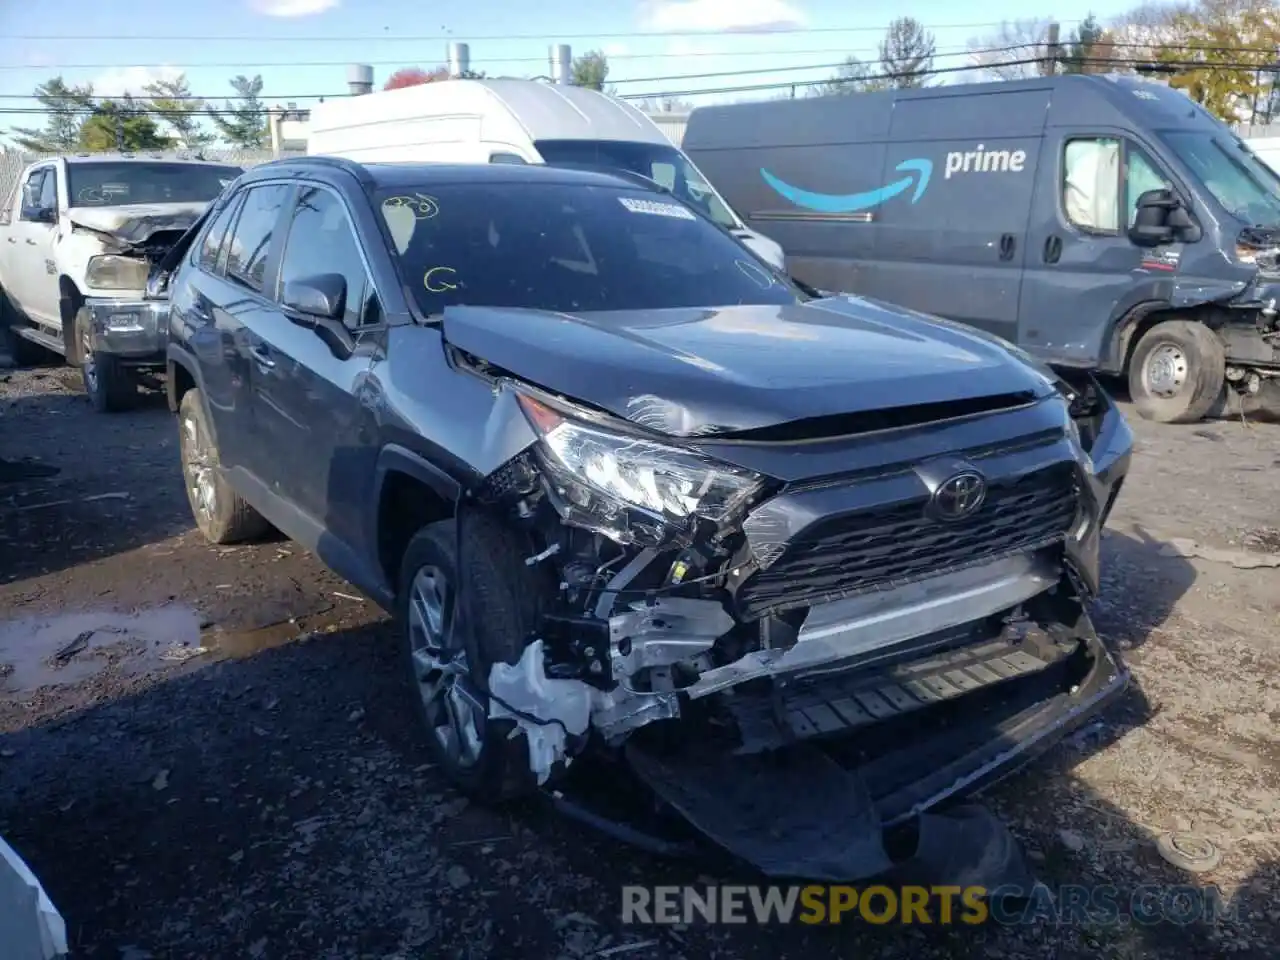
<point x="959" y="496"/>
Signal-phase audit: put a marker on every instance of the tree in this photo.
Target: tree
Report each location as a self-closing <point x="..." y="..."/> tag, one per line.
<point x="67" y="108"/>
<point x="1089" y="49"/>
<point x="173" y="105"/>
<point x="243" y="123"/>
<point x="122" y="124"/>
<point x="590" y="70"/>
<point x="1013" y="52"/>
<point x="853" y="76"/>
<point x="1219" y="52"/>
<point x="415" y="76"/>
<point x="906" y="54"/>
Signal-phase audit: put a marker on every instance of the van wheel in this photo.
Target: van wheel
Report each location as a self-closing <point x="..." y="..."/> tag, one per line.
<point x="448" y="657"/>
<point x="221" y="514"/>
<point x="1177" y="372"/>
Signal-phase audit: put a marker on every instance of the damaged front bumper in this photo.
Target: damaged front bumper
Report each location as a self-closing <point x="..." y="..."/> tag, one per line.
<point x="839" y="617"/>
<point x="135" y="330"/>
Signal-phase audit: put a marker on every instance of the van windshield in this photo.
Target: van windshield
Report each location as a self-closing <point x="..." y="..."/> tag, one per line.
<point x="568" y="248"/>
<point x="665" y="165"/>
<point x="1236" y="178"/>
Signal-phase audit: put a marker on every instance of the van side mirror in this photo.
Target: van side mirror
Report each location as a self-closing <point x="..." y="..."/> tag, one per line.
<point x="1161" y="217"/>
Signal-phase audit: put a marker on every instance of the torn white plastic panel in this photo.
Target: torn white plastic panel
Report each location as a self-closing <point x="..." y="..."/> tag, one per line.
<point x="562" y="707"/>
<point x="857" y="626"/>
<point x="30" y="926"/>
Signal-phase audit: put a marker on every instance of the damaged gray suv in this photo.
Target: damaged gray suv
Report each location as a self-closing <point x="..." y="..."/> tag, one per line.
<point x="632" y="493"/>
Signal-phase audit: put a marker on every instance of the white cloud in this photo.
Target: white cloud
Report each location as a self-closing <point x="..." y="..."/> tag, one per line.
<point x="118" y="81"/>
<point x="291" y="8"/>
<point x="615" y="49"/>
<point x="723" y="16"/>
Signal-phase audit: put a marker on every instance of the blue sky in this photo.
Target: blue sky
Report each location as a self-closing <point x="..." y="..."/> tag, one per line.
<point x="301" y="46"/>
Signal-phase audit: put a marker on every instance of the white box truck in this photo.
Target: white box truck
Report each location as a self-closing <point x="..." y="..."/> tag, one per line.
<point x="518" y="121"/>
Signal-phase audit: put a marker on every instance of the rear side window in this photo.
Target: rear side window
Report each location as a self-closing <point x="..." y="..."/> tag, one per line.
<point x="206" y="256"/>
<point x="252" y="235"/>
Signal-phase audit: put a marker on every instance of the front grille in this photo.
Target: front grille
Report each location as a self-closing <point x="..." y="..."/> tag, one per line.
<point x="897" y="544"/>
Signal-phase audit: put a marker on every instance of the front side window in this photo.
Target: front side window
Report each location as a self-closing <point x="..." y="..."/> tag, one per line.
<point x="1235" y="177"/>
<point x="1091" y="184"/>
<point x="127" y="182"/>
<point x="251" y="237"/>
<point x="1140" y="175"/>
<point x="32" y="190"/>
<point x="322" y="241"/>
<point x="662" y="164"/>
<point x="566" y="247"/>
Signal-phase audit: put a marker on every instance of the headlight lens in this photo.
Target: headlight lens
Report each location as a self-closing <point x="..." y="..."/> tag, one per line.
<point x="633" y="490"/>
<point x="111" y="272"/>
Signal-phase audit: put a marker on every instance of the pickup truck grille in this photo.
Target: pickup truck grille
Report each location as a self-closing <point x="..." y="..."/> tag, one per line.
<point x="899" y="543"/>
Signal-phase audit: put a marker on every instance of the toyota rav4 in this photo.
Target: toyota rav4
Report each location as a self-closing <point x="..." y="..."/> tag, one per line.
<point x="630" y="491"/>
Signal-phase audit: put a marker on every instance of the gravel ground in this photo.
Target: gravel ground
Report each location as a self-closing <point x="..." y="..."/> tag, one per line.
<point x="207" y="752"/>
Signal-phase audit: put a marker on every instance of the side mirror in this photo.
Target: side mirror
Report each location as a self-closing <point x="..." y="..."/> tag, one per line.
<point x="320" y="302"/>
<point x="40" y="214"/>
<point x="1161" y="218"/>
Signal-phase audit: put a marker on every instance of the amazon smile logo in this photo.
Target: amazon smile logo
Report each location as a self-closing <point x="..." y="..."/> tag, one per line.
<point x="917" y="171"/>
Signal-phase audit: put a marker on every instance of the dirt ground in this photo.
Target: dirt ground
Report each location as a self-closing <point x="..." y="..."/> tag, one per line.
<point x="207" y="752"/>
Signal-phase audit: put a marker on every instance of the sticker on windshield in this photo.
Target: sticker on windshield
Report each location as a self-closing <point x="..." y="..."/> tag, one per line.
<point x="657" y="208"/>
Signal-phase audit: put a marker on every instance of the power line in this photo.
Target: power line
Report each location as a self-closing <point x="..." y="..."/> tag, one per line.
<point x="976" y="52"/>
<point x="784" y="85"/>
<point x="449" y="36"/>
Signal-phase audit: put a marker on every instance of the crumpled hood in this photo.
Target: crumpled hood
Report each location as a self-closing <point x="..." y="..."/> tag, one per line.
<point x="703" y="371"/>
<point x="134" y="223"/>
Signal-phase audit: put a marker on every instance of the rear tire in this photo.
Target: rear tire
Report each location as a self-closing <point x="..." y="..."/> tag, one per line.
<point x="489" y="759"/>
<point x="1177" y="373"/>
<point x="221" y="514"/>
<point x="109" y="386"/>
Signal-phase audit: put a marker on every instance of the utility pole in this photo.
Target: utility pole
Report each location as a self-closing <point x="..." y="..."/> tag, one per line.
<point x="1050" y="64"/>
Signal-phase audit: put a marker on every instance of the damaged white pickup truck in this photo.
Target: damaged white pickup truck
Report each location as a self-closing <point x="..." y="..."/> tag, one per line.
<point x="78" y="237"/>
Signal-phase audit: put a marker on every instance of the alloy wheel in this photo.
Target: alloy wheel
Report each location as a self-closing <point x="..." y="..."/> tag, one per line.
<point x="440" y="668"/>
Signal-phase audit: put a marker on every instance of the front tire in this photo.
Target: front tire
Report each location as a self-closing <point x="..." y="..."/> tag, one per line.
<point x="221" y="514"/>
<point x="109" y="386"/>
<point x="448" y="658"/>
<point x="1178" y="372"/>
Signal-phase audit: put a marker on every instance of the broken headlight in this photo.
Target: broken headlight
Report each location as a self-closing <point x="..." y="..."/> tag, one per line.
<point x="109" y="272"/>
<point x="630" y="489"/>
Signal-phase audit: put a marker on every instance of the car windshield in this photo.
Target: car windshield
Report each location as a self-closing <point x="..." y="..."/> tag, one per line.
<point x="1236" y="178"/>
<point x="130" y="182"/>
<point x="567" y="248"/>
<point x="664" y="165"/>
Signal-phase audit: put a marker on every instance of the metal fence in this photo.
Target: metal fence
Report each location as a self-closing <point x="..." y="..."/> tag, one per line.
<point x="12" y="162"/>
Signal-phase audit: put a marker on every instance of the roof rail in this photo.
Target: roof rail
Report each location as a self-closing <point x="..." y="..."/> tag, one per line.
<point x="336" y="163"/>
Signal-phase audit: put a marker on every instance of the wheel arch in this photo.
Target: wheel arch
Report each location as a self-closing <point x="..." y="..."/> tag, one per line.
<point x="409" y="492"/>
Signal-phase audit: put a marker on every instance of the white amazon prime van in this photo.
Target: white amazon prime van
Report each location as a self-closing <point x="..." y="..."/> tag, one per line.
<point x="518" y="121"/>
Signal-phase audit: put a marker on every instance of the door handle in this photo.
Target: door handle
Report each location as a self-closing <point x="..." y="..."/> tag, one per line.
<point x="1052" y="248"/>
<point x="1008" y="243"/>
<point x="13" y="240"/>
<point x="262" y="356"/>
<point x="30" y="241"/>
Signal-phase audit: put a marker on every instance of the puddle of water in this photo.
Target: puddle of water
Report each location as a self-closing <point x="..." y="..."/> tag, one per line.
<point x="72" y="647"/>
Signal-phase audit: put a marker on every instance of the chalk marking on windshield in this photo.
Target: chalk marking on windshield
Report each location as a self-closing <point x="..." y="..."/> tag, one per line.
<point x="755" y="273"/>
<point x="439" y="286"/>
<point x="423" y="206"/>
<point x="656" y="208"/>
